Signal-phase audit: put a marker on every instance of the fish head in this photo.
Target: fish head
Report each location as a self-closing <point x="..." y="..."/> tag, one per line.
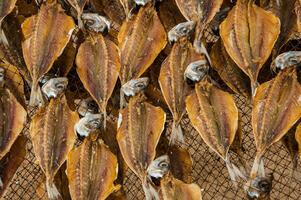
<point x="141" y="2"/>
<point x="86" y="106"/>
<point x="181" y="30"/>
<point x="2" y="76"/>
<point x="134" y="86"/>
<point x="159" y="167"/>
<point x="197" y="70"/>
<point x="95" y="22"/>
<point x="88" y="124"/>
<point x="287" y="59"/>
<point x="55" y="87"/>
<point x="260" y="187"/>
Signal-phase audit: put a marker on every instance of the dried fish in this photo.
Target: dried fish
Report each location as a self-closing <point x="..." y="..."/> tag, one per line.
<point x="129" y="6"/>
<point x="201" y="12"/>
<point x="7" y="6"/>
<point x="134" y="86"/>
<point x="12" y="118"/>
<point x="46" y="35"/>
<point x="91" y="169"/>
<point x="261" y="188"/>
<point x="140" y="40"/>
<point x="173" y="84"/>
<point x="86" y="106"/>
<point x="298" y="138"/>
<point x="88" y="124"/>
<point x="229" y="72"/>
<point x="245" y="37"/>
<point x="276" y="108"/>
<point x="11" y="162"/>
<point x="140" y="125"/>
<point x="95" y="22"/>
<point x="214" y="115"/>
<point x="52" y="135"/>
<point x="98" y="65"/>
<point x="287" y="59"/>
<point x="197" y="70"/>
<point x="183" y="29"/>
<point x="54" y="87"/>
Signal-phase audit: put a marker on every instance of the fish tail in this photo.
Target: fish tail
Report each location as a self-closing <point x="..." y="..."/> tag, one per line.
<point x="150" y="192"/>
<point x="176" y="134"/>
<point x="234" y="172"/>
<point x="258" y="167"/>
<point x="52" y="191"/>
<point x="36" y="97"/>
<point x="1" y="183"/>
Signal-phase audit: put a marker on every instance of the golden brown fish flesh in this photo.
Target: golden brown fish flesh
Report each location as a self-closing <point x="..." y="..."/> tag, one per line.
<point x="12" y="119"/>
<point x="52" y="135"/>
<point x="173" y="84"/>
<point x="298" y="138"/>
<point x="276" y="108"/>
<point x="98" y="66"/>
<point x="214" y="115"/>
<point x="245" y="37"/>
<point x="140" y="125"/>
<point x="91" y="169"/>
<point x="46" y="35"/>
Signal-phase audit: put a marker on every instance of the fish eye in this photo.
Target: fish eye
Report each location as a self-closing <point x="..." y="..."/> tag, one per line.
<point x="163" y="164"/>
<point x="293" y="60"/>
<point x="89" y="22"/>
<point x="60" y="86"/>
<point x="91" y="105"/>
<point x="183" y="30"/>
<point x="264" y="186"/>
<point x="95" y="123"/>
<point x="139" y="85"/>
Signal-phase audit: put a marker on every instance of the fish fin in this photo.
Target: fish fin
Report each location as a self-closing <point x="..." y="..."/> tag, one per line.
<point x="150" y="192"/>
<point x="234" y="172"/>
<point x="176" y="134"/>
<point x="36" y="96"/>
<point x="1" y="183"/>
<point x="52" y="191"/>
<point x="261" y="171"/>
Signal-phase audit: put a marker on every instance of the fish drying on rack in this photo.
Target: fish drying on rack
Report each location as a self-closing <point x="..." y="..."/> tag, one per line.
<point x="214" y="115"/>
<point x="52" y="135"/>
<point x="12" y="118"/>
<point x="245" y="38"/>
<point x="202" y="13"/>
<point x="98" y="63"/>
<point x="78" y="5"/>
<point x="91" y="169"/>
<point x="54" y="87"/>
<point x="140" y="125"/>
<point x="86" y="106"/>
<point x="169" y="187"/>
<point x="298" y="139"/>
<point x="46" y="35"/>
<point x="88" y="124"/>
<point x="276" y="108"/>
<point x="172" y="82"/>
<point x="141" y="39"/>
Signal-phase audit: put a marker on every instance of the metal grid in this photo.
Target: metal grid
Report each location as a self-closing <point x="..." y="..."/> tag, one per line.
<point x="208" y="170"/>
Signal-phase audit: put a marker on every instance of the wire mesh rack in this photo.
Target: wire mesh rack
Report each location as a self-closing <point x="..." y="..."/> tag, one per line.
<point x="209" y="171"/>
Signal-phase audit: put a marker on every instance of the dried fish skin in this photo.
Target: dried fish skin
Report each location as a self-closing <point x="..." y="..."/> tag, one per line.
<point x="6" y="6"/>
<point x="55" y="87"/>
<point x="138" y="133"/>
<point x="98" y="67"/>
<point x="298" y="138"/>
<point x="88" y="124"/>
<point x="141" y="39"/>
<point x="229" y="72"/>
<point x="52" y="135"/>
<point x="95" y="22"/>
<point x="287" y="59"/>
<point x="245" y="38"/>
<point x="173" y="84"/>
<point x="46" y="35"/>
<point x="91" y="170"/>
<point x="183" y="29"/>
<point x="134" y="86"/>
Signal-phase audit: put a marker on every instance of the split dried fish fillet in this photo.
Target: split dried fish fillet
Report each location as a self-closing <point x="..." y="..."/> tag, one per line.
<point x="140" y="41"/>
<point x="98" y="66"/>
<point x="12" y="120"/>
<point x="229" y="72"/>
<point x="78" y="5"/>
<point x="245" y="37"/>
<point x="91" y="169"/>
<point x="276" y="108"/>
<point x="173" y="84"/>
<point x="140" y="125"/>
<point x="52" y="135"/>
<point x="46" y="35"/>
<point x="298" y="138"/>
<point x="214" y="115"/>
